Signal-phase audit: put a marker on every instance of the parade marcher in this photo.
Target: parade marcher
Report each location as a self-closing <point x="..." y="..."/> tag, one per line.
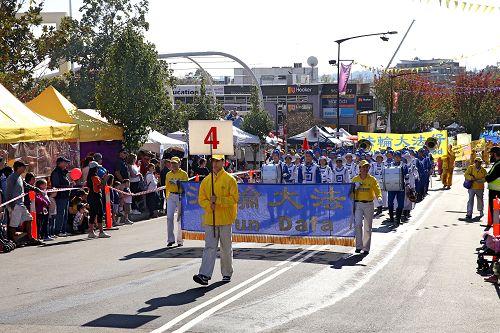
<point x="351" y="166"/>
<point x="429" y="165"/>
<point x="389" y="157"/>
<point x="325" y="170"/>
<point x="283" y="173"/>
<point x="377" y="171"/>
<point x="366" y="190"/>
<point x="448" y="166"/>
<point x="317" y="154"/>
<point x="423" y="174"/>
<point x="308" y="172"/>
<point x="290" y="167"/>
<point x="223" y="204"/>
<point x="476" y="174"/>
<point x="409" y="186"/>
<point x="173" y="192"/>
<point x="398" y="195"/>
<point x="340" y="172"/>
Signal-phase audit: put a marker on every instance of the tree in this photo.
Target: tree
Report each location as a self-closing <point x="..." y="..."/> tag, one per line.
<point x="257" y="121"/>
<point x="131" y="89"/>
<point x="300" y="121"/>
<point x="21" y="51"/>
<point x="477" y="101"/>
<point x="85" y="42"/>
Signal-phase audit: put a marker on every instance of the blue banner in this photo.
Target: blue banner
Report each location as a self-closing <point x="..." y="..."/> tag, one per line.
<point x="492" y="136"/>
<point x="308" y="210"/>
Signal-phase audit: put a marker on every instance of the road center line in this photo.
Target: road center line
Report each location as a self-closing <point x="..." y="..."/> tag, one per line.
<point x="242" y="293"/>
<point x="230" y="291"/>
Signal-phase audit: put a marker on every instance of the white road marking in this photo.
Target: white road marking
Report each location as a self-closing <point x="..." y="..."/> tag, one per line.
<point x="190" y="312"/>
<point x="219" y="306"/>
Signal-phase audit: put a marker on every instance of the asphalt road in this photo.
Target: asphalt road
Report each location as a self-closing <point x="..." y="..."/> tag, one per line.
<point x="418" y="278"/>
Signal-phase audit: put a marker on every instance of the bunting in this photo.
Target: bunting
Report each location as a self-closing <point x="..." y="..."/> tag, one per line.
<point x="475" y="7"/>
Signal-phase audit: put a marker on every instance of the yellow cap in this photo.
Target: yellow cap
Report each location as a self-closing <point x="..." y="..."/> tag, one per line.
<point x="363" y="163"/>
<point x="218" y="157"/>
<point x="175" y="159"/>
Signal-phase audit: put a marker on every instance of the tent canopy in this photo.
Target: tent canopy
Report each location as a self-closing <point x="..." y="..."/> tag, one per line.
<point x="51" y="104"/>
<point x="19" y="124"/>
<point x="241" y="138"/>
<point x="314" y="134"/>
<point x="158" y="143"/>
<point x="179" y="135"/>
<point x="345" y="136"/>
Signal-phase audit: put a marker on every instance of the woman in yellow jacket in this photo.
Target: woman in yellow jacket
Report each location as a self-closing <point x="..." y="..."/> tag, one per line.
<point x="476" y="173"/>
<point x="223" y="204"/>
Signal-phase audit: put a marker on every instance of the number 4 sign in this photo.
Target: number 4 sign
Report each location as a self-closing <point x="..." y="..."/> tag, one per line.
<point x="210" y="137"/>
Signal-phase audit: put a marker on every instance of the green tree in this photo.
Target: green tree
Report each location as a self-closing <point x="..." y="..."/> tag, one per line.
<point x="475" y="102"/>
<point x="85" y="42"/>
<point x="21" y="51"/>
<point x="131" y="89"/>
<point x="257" y="121"/>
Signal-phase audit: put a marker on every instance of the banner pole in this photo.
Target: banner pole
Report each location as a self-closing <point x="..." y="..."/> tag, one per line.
<point x="212" y="178"/>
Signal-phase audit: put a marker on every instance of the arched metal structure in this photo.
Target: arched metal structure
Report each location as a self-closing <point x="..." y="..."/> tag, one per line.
<point x="187" y="55"/>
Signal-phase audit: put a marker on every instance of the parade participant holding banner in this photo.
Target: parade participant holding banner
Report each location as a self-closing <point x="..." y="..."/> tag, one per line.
<point x="475" y="174"/>
<point x="448" y="166"/>
<point x="309" y="172"/>
<point x="173" y="191"/>
<point x="290" y="167"/>
<point x="275" y="171"/>
<point x="398" y="194"/>
<point x="326" y="171"/>
<point x="223" y="204"/>
<point x="377" y="171"/>
<point x="366" y="190"/>
<point x="410" y="197"/>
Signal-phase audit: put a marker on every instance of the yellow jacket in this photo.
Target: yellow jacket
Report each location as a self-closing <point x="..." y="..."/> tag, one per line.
<point x="226" y="191"/>
<point x="477" y="177"/>
<point x="180" y="175"/>
<point x="369" y="189"/>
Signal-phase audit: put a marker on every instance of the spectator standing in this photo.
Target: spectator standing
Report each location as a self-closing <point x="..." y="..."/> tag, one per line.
<point x="115" y="201"/>
<point x="52" y="215"/>
<point x="202" y="169"/>
<point x="477" y="174"/>
<point x="42" y="204"/>
<point x="151" y="198"/>
<point x="59" y="179"/>
<point x="29" y="180"/>
<point x="20" y="217"/>
<point x="163" y="175"/>
<point x="173" y="194"/>
<point x="127" y="201"/>
<point x="121" y="170"/>
<point x="96" y="211"/>
<point x="135" y="179"/>
<point x="85" y="168"/>
<point x="4" y="174"/>
<point x="493" y="179"/>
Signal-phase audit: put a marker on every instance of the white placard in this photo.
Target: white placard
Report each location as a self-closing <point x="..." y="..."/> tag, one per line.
<point x="211" y="137"/>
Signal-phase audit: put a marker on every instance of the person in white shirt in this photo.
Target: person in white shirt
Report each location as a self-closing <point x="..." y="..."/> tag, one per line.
<point x="152" y="199"/>
<point x="351" y="166"/>
<point x="326" y="171"/>
<point x="291" y="170"/>
<point x="377" y="171"/>
<point x="340" y="172"/>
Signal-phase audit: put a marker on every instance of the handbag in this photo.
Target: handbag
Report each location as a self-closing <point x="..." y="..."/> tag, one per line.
<point x="467" y="184"/>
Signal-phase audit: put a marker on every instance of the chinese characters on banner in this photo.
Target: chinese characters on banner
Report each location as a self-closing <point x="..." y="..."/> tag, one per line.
<point x="296" y="213"/>
<point x="399" y="141"/>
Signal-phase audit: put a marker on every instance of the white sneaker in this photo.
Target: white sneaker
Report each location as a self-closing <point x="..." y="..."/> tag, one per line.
<point x="135" y="212"/>
<point x="104" y="235"/>
<point x="128" y="222"/>
<point x="92" y="235"/>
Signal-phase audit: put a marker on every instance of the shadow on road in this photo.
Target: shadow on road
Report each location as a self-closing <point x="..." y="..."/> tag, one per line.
<point x="265" y="254"/>
<point x="66" y="242"/>
<point x="124" y="321"/>
<point x="185" y="297"/>
<point x="352" y="260"/>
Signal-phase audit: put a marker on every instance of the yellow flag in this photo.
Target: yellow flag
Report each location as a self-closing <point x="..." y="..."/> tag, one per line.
<point x="470" y="7"/>
<point x="485" y="9"/>
<point x="447" y="3"/>
<point x="477" y="8"/>
<point x="463" y="5"/>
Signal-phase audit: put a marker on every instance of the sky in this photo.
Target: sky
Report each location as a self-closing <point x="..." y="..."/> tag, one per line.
<point x="282" y="32"/>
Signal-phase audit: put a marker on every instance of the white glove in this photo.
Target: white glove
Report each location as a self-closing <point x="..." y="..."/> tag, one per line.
<point x="173" y="181"/>
<point x="357" y="184"/>
<point x="380" y="201"/>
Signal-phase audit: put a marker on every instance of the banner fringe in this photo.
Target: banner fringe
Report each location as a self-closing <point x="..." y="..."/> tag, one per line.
<point x="298" y="240"/>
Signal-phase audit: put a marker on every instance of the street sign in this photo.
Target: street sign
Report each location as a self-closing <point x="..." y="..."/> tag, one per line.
<point x="210" y="137"/>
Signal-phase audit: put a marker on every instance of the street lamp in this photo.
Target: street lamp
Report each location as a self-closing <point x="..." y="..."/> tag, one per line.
<point x="383" y="36"/>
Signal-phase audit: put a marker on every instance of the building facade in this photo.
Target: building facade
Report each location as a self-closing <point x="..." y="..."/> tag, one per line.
<point x="439" y="70"/>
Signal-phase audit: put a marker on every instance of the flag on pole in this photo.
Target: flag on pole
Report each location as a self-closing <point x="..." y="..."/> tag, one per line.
<point x="345" y="71"/>
<point x="305" y="144"/>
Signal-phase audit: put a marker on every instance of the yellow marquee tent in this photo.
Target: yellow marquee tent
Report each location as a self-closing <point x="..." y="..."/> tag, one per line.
<point x="19" y="124"/>
<point x="51" y="104"/>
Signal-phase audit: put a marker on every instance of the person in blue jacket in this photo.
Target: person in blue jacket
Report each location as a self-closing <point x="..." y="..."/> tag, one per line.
<point x="398" y="195"/>
<point x="309" y="172"/>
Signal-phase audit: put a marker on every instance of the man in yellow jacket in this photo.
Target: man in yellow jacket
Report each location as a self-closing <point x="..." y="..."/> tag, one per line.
<point x="476" y="174"/>
<point x="223" y="205"/>
<point x="367" y="189"/>
<point x="448" y="166"/>
<point x="173" y="191"/>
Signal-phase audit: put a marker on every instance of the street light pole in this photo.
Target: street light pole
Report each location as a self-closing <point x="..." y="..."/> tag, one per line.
<point x="339" y="41"/>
